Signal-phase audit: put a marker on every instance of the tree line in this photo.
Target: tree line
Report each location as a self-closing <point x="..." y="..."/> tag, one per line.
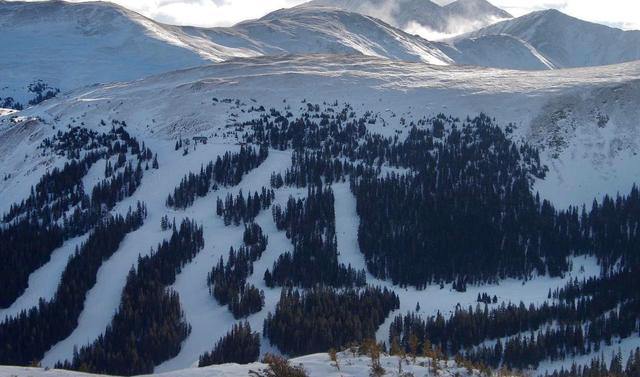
<point x="241" y="345"/>
<point x="227" y="281"/>
<point x="58" y="208"/>
<point x="238" y="209"/>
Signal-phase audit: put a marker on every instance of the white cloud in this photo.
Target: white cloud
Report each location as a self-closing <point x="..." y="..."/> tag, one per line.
<point x="210" y="12"/>
<point x="619" y="13"/>
<point x="204" y="13"/>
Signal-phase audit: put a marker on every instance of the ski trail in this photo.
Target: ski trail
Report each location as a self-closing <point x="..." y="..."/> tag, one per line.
<point x="43" y="282"/>
<point x="208" y="319"/>
<point x="103" y="299"/>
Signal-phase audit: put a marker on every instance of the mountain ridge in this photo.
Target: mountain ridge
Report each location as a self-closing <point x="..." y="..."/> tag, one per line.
<point x="414" y="14"/>
<point x="84" y="43"/>
<point x="566" y="41"/>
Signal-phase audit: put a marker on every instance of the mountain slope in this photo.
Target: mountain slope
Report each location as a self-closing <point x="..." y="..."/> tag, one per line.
<point x="479" y="10"/>
<point x="454" y="18"/>
<point x="316" y="365"/>
<point x="548" y="106"/>
<point x="569" y="42"/>
<point x="67" y="45"/>
<point x="498" y="51"/>
<point x="320" y="30"/>
<point x="562" y="112"/>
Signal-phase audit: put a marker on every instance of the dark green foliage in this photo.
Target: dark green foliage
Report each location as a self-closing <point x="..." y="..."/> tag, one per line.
<point x="323" y="318"/>
<point x="42" y="91"/>
<point x="226" y="171"/>
<point x="239" y="209"/>
<point x="29" y="335"/>
<point x="310" y="224"/>
<point x="148" y="327"/>
<point x="598" y="367"/>
<point x="228" y="281"/>
<point x="24" y="246"/>
<point x="592" y="301"/>
<point x="10" y="103"/>
<point x="58" y="207"/>
<point x="465" y="212"/>
<point x="240" y="346"/>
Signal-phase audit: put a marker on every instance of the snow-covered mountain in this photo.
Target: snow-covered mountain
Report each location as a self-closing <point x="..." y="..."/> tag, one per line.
<point x="563" y="112"/>
<point x="176" y="98"/>
<point x="566" y="41"/>
<point x="426" y="17"/>
<point x="321" y="30"/>
<point x="545" y="105"/>
<point x="67" y="45"/>
<point x="498" y="51"/>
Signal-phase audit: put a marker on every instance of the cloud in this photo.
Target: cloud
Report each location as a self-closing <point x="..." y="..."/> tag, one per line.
<point x="205" y="13"/>
<point x="454" y="27"/>
<point x="208" y="12"/>
<point x="618" y="13"/>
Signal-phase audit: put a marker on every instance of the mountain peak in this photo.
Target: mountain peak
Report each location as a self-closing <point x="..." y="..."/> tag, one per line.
<point x="568" y="42"/>
<point x="477" y="7"/>
<point x="425" y="15"/>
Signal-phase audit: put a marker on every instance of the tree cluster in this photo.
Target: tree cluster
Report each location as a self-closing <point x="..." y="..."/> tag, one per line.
<point x="240" y="346"/>
<point x="226" y="171"/>
<point x="42" y="91"/>
<point x="58" y="207"/>
<point x="322" y="318"/>
<point x="228" y="281"/>
<point x="598" y="367"/>
<point x="238" y="209"/>
<point x="148" y="327"/>
<point x="310" y="224"/>
<point x="585" y="315"/>
<point x="27" y="336"/>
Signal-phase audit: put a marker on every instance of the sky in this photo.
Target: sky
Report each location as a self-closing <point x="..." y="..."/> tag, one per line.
<point x="624" y="14"/>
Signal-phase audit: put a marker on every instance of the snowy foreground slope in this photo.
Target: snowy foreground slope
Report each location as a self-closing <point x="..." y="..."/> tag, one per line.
<point x="317" y="365"/>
